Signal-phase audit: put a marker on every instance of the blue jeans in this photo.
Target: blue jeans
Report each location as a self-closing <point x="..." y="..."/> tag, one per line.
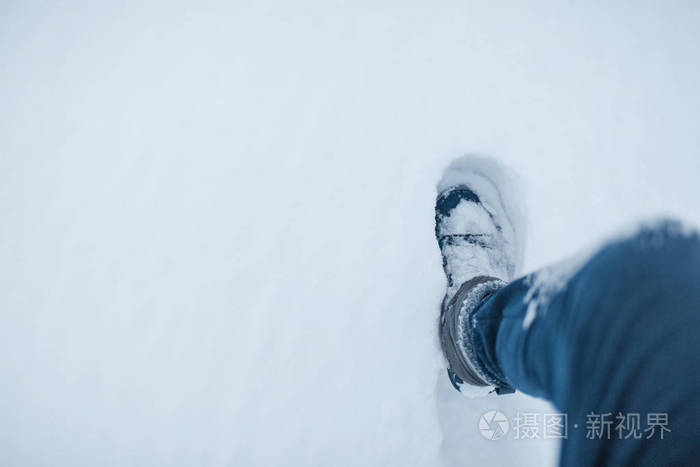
<point x="613" y="345"/>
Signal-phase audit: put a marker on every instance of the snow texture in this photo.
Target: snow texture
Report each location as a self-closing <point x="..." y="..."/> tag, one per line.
<point x="497" y="221"/>
<point x="546" y="282"/>
<point x="500" y="192"/>
<point x="467" y="259"/>
<point x="216" y="238"/>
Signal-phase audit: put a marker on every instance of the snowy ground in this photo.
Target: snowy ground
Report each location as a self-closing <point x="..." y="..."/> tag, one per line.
<point x="216" y="234"/>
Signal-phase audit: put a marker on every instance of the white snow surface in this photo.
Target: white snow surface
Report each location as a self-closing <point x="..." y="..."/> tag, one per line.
<point x="216" y="218"/>
<point x="501" y="193"/>
<point x="465" y="259"/>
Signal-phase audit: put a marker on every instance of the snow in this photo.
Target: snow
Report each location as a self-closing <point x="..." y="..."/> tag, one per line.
<point x="466" y="260"/>
<point x="501" y="192"/>
<point x="549" y="280"/>
<point x="499" y="219"/>
<point x="216" y="218"/>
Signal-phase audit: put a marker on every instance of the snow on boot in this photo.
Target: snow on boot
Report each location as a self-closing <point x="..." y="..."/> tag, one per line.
<point x="479" y="229"/>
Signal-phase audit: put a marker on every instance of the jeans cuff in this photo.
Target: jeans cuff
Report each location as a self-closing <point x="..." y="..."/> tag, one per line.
<point x="456" y="326"/>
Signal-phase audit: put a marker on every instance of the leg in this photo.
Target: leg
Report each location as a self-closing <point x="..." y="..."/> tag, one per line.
<point x="616" y="335"/>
